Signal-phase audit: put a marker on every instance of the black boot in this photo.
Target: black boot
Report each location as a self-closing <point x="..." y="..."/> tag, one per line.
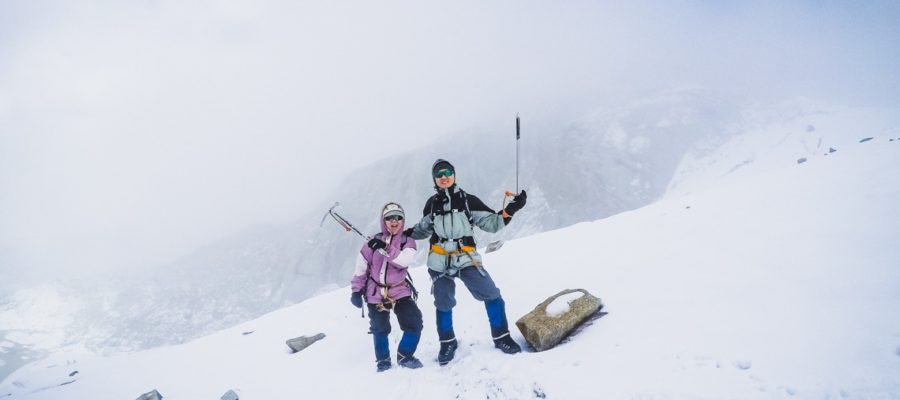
<point x="408" y="361"/>
<point x="383" y="365"/>
<point x="506" y="344"/>
<point x="496" y="311"/>
<point x="448" y="350"/>
<point x="446" y="336"/>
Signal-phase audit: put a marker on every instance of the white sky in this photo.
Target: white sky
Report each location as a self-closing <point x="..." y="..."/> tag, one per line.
<point x="132" y="132"/>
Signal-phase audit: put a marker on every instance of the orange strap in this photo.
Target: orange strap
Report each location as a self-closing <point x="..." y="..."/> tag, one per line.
<point x="440" y="250"/>
<point x="503" y="212"/>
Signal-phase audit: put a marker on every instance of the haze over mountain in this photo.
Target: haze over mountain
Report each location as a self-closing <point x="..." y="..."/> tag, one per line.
<point x="164" y="165"/>
<point x="767" y="270"/>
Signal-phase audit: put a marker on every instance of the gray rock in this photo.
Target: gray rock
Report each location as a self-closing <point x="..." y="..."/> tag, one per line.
<point x="151" y="395"/>
<point x="801" y="160"/>
<point x="832" y="150"/>
<point x="543" y="331"/>
<point x="866" y="139"/>
<point x="299" y="343"/>
<point x="230" y="395"/>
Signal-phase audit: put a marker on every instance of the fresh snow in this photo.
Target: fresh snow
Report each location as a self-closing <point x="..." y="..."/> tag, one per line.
<point x="560" y="305"/>
<point x="754" y="278"/>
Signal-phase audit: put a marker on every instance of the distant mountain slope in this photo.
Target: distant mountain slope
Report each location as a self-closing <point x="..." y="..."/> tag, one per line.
<point x="775" y="279"/>
<point x="613" y="160"/>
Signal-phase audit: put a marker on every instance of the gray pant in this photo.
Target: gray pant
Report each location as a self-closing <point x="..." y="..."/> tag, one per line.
<point x="481" y="287"/>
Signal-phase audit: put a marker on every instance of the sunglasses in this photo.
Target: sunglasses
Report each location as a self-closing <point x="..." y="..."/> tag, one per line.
<point x="393" y="218"/>
<point x="444" y="172"/>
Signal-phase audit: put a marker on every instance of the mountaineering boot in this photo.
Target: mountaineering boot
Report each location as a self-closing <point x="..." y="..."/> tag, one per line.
<point x="446" y="335"/>
<point x="408" y="361"/>
<point x="506" y="344"/>
<point x="382" y="353"/>
<point x="383" y="365"/>
<point x="496" y="311"/>
<point x="448" y="350"/>
<point x="408" y="344"/>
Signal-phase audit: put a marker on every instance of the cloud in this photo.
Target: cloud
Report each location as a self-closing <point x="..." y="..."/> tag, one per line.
<point x="133" y="132"/>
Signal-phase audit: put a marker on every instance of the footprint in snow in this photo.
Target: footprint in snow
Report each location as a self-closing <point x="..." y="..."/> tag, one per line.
<point x="743" y="364"/>
<point x="791" y="391"/>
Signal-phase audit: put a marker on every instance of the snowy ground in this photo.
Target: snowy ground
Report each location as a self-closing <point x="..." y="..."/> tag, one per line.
<point x="757" y="276"/>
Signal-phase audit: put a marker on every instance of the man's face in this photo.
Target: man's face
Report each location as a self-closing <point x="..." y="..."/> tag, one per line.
<point x="444" y="178"/>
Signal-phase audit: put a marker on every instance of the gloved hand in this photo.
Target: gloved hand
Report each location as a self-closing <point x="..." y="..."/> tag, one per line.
<point x="517" y="203"/>
<point x="376" y="244"/>
<point x="408" y="232"/>
<point x="356" y="299"/>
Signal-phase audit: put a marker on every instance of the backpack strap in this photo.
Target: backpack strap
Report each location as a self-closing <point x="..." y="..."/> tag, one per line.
<point x="466" y="208"/>
<point x="468" y="211"/>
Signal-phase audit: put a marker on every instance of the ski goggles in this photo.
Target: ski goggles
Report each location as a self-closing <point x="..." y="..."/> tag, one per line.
<point x="442" y="173"/>
<point x="394" y="218"/>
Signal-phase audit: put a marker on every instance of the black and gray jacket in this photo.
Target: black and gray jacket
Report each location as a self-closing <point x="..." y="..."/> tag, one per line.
<point x="448" y="221"/>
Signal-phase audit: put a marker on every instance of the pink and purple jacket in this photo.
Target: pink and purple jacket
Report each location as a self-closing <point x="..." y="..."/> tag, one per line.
<point x="376" y="271"/>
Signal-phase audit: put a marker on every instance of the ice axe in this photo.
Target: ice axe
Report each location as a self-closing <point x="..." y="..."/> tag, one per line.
<point x="347" y="227"/>
<point x="342" y="221"/>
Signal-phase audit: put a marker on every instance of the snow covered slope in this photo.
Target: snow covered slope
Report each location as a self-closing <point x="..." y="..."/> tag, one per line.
<point x="603" y="162"/>
<point x="757" y="276"/>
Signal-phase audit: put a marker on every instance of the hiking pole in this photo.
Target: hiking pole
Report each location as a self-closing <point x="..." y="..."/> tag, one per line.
<point x="518" y="136"/>
<point x="517" y="152"/>
<point x="494" y="246"/>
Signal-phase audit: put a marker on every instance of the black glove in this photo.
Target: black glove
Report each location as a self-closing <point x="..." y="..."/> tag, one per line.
<point x="408" y="232"/>
<point x="376" y="244"/>
<point x="356" y="299"/>
<point x="517" y="203"/>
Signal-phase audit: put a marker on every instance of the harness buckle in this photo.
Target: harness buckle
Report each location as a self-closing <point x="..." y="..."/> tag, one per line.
<point x="386" y="306"/>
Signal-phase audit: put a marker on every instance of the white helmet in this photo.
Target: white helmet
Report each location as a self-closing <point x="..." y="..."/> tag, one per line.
<point x="391" y="209"/>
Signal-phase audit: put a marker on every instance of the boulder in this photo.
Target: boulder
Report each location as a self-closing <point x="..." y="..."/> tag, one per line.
<point x="151" y="395"/>
<point x="230" y="395"/>
<point x="299" y="343"/>
<point x="552" y="320"/>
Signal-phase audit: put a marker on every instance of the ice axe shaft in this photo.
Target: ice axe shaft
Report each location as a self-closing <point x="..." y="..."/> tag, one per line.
<point x="347" y="225"/>
<point x="342" y="222"/>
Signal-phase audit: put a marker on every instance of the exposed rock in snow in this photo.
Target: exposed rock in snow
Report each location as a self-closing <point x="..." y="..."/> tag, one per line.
<point x="556" y="317"/>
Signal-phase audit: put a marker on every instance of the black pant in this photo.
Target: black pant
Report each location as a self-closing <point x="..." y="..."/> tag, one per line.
<point x="408" y="315"/>
<point x="410" y="318"/>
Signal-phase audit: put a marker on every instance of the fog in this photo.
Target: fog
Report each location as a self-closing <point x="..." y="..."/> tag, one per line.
<point x="134" y="132"/>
